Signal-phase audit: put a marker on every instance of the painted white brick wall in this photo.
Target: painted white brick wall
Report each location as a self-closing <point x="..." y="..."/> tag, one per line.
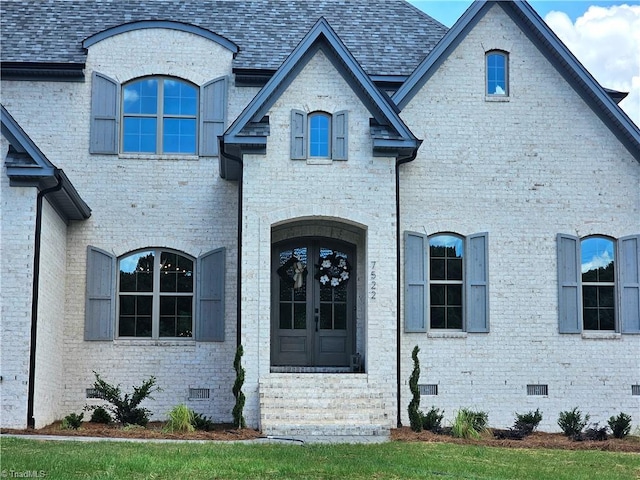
<point x="17" y="220"/>
<point x="523" y="170"/>
<point x="50" y="373"/>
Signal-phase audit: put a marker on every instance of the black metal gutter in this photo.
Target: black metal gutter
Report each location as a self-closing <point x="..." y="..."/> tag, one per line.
<point x="238" y="160"/>
<point x="57" y="72"/>
<point x="34" y="296"/>
<point x="399" y="162"/>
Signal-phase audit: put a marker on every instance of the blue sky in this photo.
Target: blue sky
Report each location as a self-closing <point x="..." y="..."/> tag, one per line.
<point x="448" y="11"/>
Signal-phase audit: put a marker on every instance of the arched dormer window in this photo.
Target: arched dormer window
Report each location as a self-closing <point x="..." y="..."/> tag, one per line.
<point x="319" y="135"/>
<point x="497" y="69"/>
<point x="159" y="116"/>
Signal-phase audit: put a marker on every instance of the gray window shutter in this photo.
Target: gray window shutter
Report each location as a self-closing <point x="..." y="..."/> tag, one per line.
<point x="415" y="282"/>
<point x="213" y="115"/>
<point x="101" y="294"/>
<point x="569" y="284"/>
<point x="629" y="275"/>
<point x="210" y="299"/>
<point x="477" y="283"/>
<point x="339" y="129"/>
<point x="298" y="135"/>
<point x="105" y="116"/>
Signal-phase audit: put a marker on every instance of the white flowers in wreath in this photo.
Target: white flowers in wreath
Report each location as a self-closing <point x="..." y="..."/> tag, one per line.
<point x="333" y="270"/>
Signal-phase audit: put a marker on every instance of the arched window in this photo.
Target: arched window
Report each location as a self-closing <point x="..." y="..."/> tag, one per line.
<point x="497" y="65"/>
<point x="446" y="281"/>
<point x="320" y="135"/>
<point x="155" y="294"/>
<point x="598" y="283"/>
<point x="159" y="116"/>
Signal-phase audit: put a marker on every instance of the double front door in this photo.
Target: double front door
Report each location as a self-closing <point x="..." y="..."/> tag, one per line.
<point x="313" y="303"/>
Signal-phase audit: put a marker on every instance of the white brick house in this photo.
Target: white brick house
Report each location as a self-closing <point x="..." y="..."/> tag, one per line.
<point x="327" y="184"/>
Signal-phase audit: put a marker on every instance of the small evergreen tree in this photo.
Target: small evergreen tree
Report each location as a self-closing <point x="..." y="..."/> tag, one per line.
<point x="415" y="415"/>
<point x="238" y="417"/>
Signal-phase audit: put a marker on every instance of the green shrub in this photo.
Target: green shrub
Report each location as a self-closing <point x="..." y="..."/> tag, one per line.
<point x="469" y="424"/>
<point x="100" y="415"/>
<point x="200" y="422"/>
<point x="415" y="415"/>
<point x="432" y="419"/>
<point x="125" y="407"/>
<point x="238" y="417"/>
<point x="620" y="425"/>
<point x="527" y="422"/>
<point x="180" y="419"/>
<point x="72" y="421"/>
<point x="571" y="422"/>
<point x="594" y="433"/>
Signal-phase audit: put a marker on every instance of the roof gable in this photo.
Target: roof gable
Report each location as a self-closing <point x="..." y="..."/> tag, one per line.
<point x="250" y="129"/>
<point x="28" y="166"/>
<point x="550" y="46"/>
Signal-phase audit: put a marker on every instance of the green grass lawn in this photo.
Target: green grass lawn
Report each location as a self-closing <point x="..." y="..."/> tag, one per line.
<point x="393" y="460"/>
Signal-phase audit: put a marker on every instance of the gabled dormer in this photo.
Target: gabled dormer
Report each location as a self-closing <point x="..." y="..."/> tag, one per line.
<point x="317" y="134"/>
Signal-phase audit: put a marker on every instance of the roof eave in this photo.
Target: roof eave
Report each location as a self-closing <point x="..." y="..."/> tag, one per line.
<point x="41" y="173"/>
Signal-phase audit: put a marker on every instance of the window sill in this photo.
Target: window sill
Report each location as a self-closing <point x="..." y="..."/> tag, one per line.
<point x="153" y="156"/>
<point x="444" y="334"/>
<point x="601" y="336"/>
<point x="496" y="98"/>
<point x="319" y="161"/>
<point x="154" y="343"/>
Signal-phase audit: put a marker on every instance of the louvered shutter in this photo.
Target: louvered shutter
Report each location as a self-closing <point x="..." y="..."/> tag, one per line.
<point x="298" y="135"/>
<point x="210" y="296"/>
<point x="416" y="282"/>
<point x="569" y="284"/>
<point x="477" y="283"/>
<point x="629" y="275"/>
<point x="100" y="295"/>
<point x="105" y="94"/>
<point x="213" y="115"/>
<point x="339" y="129"/>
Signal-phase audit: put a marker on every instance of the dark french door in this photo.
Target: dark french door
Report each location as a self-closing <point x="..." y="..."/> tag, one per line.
<point x="313" y="303"/>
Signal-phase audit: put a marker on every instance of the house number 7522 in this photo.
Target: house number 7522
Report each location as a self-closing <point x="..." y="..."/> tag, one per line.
<point x="372" y="281"/>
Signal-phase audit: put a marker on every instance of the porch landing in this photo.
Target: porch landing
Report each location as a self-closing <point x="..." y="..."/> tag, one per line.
<point x="323" y="405"/>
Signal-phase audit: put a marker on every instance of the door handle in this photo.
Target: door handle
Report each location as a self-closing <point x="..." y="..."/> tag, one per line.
<point x="317" y="318"/>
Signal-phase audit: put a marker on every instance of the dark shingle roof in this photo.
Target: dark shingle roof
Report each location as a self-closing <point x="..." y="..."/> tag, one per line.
<point x="387" y="37"/>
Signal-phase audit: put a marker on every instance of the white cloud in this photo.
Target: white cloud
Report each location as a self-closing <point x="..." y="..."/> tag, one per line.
<point x="602" y="260"/>
<point x="606" y="40"/>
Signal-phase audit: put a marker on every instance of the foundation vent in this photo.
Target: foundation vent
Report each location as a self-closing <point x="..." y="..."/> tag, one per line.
<point x="198" y="393"/>
<point x="430" y="389"/>
<point x="635" y="389"/>
<point x="540" y="390"/>
<point x="93" y="393"/>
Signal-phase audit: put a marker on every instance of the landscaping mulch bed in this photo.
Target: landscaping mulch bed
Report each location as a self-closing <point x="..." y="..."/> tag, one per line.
<point x="535" y="440"/>
<point x="226" y="432"/>
<point x="152" y="431"/>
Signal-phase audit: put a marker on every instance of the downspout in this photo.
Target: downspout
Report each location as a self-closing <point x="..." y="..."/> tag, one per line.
<point x="399" y="162"/>
<point x="34" y="297"/>
<point x="238" y="160"/>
